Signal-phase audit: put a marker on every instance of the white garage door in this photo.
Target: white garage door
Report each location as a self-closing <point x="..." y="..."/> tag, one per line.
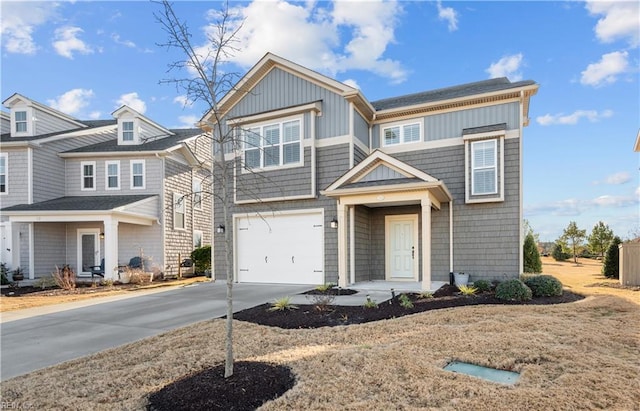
<point x="284" y="249"/>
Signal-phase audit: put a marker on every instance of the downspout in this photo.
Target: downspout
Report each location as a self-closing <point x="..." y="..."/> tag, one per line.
<point x="351" y="137"/>
<point x="520" y="191"/>
<point x="352" y="244"/>
<point x="451" y="236"/>
<point x="162" y="225"/>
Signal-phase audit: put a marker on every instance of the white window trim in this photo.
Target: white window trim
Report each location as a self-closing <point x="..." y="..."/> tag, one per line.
<point x="497" y="196"/>
<point x="6" y="173"/>
<point x="201" y="233"/>
<point x="279" y="122"/>
<point x="401" y="125"/>
<point x="106" y="174"/>
<point x="144" y="174"/>
<point x="196" y="205"/>
<point x="136" y="133"/>
<point x="29" y="121"/>
<point x="82" y="175"/>
<point x="494" y="167"/>
<point x="177" y="200"/>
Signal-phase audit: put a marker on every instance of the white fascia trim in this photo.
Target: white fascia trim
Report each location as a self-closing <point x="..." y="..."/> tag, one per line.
<point x="277" y="114"/>
<point x="272" y="199"/>
<point x="76" y="216"/>
<point x="122" y="109"/>
<point x="42" y="107"/>
<point x="117" y="154"/>
<point x="18" y="144"/>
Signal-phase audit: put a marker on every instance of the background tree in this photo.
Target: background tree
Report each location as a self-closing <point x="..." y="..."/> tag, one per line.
<point x="600" y="238"/>
<point x="205" y="79"/>
<point x="575" y="237"/>
<point x="532" y="262"/>
<point x="611" y="266"/>
<point x="558" y="252"/>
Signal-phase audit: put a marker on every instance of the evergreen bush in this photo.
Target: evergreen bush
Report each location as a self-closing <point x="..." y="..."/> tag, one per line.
<point x="513" y="290"/>
<point x="544" y="286"/>
<point x="532" y="262"/>
<point x="201" y="258"/>
<point x="482" y="285"/>
<point x="611" y="266"/>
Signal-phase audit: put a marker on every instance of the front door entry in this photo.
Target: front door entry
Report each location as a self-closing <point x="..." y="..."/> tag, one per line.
<point x="88" y="251"/>
<point x="401" y="247"/>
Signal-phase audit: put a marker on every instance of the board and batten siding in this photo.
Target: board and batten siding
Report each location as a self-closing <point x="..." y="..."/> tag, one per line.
<point x="18" y="175"/>
<point x="361" y="128"/>
<point x="280" y="89"/>
<point x="450" y="125"/>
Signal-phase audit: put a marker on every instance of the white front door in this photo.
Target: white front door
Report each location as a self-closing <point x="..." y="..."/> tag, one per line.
<point x="88" y="250"/>
<point x="6" y="244"/>
<point x="401" y="240"/>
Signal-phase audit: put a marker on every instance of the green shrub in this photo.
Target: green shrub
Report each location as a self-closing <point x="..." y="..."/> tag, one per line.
<point x="544" y="286"/>
<point x="3" y="274"/>
<point x="611" y="266"/>
<point x="467" y="289"/>
<point x="482" y="285"/>
<point x="424" y="295"/>
<point x="513" y="290"/>
<point x="370" y="303"/>
<point x="532" y="262"/>
<point x="201" y="258"/>
<point x="282" y="304"/>
<point x="323" y="288"/>
<point x="405" y="302"/>
<point x="558" y="253"/>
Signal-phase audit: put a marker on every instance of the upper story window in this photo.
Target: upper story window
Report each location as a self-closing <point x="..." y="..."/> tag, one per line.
<point x="112" y="175"/>
<point x="137" y="174"/>
<point x="127" y="131"/>
<point x="484" y="167"/>
<point x="178" y="211"/>
<point x="401" y="134"/>
<point x="197" y="193"/>
<point x="272" y="144"/>
<point x="4" y="175"/>
<point x="197" y="238"/>
<point x="88" y="169"/>
<point x="21" y="121"/>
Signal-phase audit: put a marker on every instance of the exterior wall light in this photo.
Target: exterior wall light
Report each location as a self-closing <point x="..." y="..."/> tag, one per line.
<point x="102" y="236"/>
<point x="333" y="223"/>
<point x="220" y="229"/>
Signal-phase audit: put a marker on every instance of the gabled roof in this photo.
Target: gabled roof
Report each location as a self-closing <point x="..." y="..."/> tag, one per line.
<point x="271" y="61"/>
<point x="126" y="109"/>
<point x="88" y="125"/>
<point x="380" y="172"/>
<point x="177" y="137"/>
<point x="15" y="97"/>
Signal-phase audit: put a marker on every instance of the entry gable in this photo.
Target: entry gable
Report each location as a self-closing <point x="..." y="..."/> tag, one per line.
<point x="381" y="167"/>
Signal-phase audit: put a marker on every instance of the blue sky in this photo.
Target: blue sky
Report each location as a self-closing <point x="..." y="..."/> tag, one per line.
<point x="88" y="58"/>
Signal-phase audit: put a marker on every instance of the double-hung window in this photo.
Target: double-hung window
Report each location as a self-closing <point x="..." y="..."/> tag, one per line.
<point x="88" y="169"/>
<point x="178" y="211"/>
<point x="484" y="167"/>
<point x="137" y="174"/>
<point x="401" y="134"/>
<point x="112" y="175"/>
<point x="272" y="144"/>
<point x="21" y="121"/>
<point x="4" y="167"/>
<point x="127" y="131"/>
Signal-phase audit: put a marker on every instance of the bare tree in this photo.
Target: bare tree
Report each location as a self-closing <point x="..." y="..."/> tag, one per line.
<point x="205" y="81"/>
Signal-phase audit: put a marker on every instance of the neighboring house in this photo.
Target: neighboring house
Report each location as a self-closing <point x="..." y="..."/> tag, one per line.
<point x="74" y="192"/>
<point x="330" y="187"/>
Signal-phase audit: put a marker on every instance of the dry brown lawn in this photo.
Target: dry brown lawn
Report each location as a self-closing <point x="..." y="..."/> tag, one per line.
<point x="577" y="356"/>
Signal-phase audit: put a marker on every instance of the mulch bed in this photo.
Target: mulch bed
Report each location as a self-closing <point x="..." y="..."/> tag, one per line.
<point x="312" y="316"/>
<point x="254" y="383"/>
<point x="251" y="385"/>
<point x="331" y="291"/>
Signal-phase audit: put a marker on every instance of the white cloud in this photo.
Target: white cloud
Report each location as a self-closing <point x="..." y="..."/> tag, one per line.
<point x="606" y="70"/>
<point x="94" y="115"/>
<point x="72" y="101"/>
<point x="507" y="66"/>
<point x="619" y="20"/>
<point x="618" y="178"/>
<point x="352" y="83"/>
<point x="448" y="14"/>
<point x="132" y="100"/>
<point x="188" y="121"/>
<point x="183" y="101"/>
<point x="310" y="34"/>
<point x="127" y="43"/>
<point x="576" y="207"/>
<point x="573" y="118"/>
<point x="67" y="42"/>
<point x="19" y="21"/>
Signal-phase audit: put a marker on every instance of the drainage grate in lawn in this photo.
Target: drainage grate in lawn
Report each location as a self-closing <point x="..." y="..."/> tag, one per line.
<point x="490" y="374"/>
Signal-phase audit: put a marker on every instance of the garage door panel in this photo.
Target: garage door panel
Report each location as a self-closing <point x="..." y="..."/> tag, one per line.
<point x="281" y="249"/>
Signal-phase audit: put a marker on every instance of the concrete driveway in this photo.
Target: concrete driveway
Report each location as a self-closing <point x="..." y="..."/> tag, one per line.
<point x="35" y="342"/>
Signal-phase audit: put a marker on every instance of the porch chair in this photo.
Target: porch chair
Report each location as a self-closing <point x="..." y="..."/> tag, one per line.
<point x="97" y="270"/>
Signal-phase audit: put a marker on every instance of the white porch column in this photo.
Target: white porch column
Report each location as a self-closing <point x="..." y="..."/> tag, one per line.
<point x="426" y="243"/>
<point x="111" y="248"/>
<point x="342" y="245"/>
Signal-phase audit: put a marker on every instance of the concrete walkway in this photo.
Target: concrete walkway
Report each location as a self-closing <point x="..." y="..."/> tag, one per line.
<point x="37" y="338"/>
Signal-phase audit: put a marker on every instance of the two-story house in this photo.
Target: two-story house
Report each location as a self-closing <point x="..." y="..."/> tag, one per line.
<point x="76" y="192"/>
<point x="331" y="187"/>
